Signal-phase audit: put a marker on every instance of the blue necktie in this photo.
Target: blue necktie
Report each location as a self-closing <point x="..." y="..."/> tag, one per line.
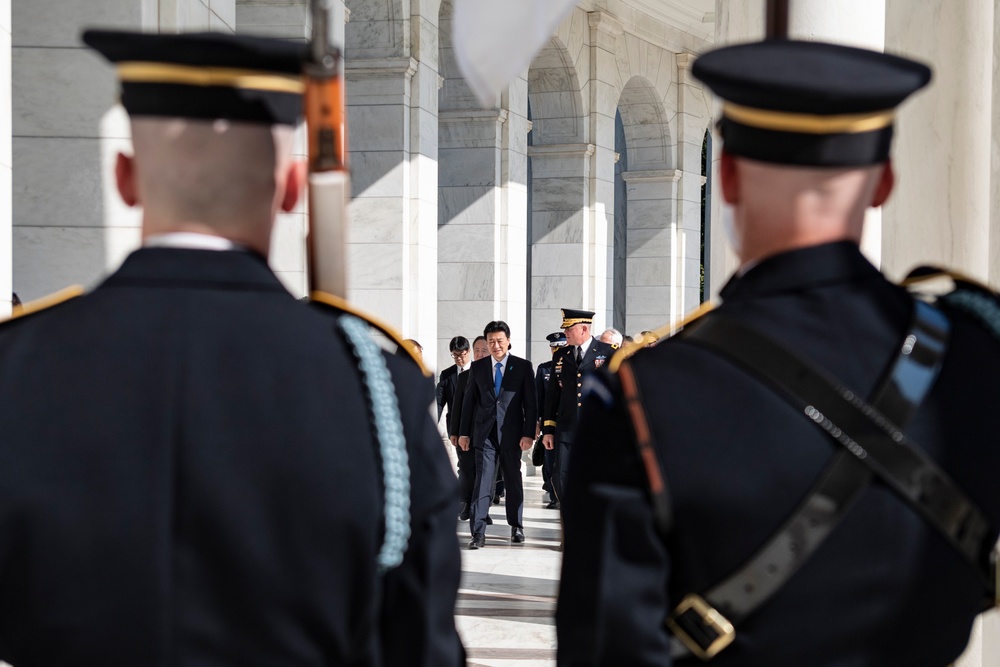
<point x="497" y="379"/>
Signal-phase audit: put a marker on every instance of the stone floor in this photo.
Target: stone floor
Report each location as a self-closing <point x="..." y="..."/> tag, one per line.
<point x="507" y="597"/>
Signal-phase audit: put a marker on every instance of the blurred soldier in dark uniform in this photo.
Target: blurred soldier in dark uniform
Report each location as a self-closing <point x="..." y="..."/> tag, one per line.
<point x="466" y="459"/>
<point x="557" y="341"/>
<point x="799" y="477"/>
<point x="188" y="471"/>
<point x="583" y="354"/>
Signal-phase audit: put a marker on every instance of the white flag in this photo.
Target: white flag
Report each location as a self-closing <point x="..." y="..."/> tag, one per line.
<point x="495" y="40"/>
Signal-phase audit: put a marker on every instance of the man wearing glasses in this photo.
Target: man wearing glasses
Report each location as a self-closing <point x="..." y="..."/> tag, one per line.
<point x="447" y="397"/>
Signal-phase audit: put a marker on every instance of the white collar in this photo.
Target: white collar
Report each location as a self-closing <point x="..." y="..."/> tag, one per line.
<point x="189" y="241"/>
<point x="586" y="346"/>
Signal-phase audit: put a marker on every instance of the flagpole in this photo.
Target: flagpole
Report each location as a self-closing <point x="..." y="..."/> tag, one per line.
<point x="777" y="19"/>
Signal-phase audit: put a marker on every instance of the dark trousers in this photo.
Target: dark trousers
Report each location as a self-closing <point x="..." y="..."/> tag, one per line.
<point x="560" y="461"/>
<point x="489" y="455"/>
<point x="466" y="473"/>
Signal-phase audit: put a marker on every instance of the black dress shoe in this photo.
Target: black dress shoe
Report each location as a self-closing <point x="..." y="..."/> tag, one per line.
<point x="554" y="505"/>
<point x="464" y="514"/>
<point x="516" y="535"/>
<point x="478" y="541"/>
<point x="496" y="500"/>
<point x="488" y="520"/>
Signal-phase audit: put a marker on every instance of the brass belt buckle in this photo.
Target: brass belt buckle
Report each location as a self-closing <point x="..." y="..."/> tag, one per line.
<point x="700" y="627"/>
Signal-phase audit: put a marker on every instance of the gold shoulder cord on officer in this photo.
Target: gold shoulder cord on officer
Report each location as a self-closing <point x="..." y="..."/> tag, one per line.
<point x="46" y="302"/>
<point x="344" y="306"/>
<point x="664" y="332"/>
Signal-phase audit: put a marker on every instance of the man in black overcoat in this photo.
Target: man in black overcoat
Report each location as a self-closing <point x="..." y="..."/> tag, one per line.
<point x="806" y="474"/>
<point x="188" y="471"/>
<point x="498" y="421"/>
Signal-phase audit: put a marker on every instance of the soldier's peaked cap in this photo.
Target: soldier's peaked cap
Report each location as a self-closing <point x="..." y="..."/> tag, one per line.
<point x="206" y="75"/>
<point x="557" y="339"/>
<point x="571" y="317"/>
<point x="808" y="103"/>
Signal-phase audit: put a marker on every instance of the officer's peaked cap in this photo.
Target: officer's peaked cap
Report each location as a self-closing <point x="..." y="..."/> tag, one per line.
<point x="557" y="339"/>
<point x="808" y="103"/>
<point x="206" y="75"/>
<point x="571" y="317"/>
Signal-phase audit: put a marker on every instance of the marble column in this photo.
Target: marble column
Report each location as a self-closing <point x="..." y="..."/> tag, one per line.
<point x="6" y="161"/>
<point x="858" y="23"/>
<point x="605" y="30"/>
<point x="653" y="263"/>
<point x="941" y="209"/>
<point x="392" y="97"/>
<point x="561" y="218"/>
<point x="693" y="119"/>
<point x="736" y="21"/>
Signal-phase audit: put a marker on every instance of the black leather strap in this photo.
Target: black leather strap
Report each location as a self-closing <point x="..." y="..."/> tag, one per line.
<point x="841" y="483"/>
<point x="863" y="430"/>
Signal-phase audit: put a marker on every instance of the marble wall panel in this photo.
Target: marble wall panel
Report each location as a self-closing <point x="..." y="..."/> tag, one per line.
<point x="464" y="319"/>
<point x="60" y="92"/>
<point x="466" y="281"/>
<point x="469" y="166"/>
<point x="216" y="24"/>
<point x="381" y="88"/>
<point x="79" y="172"/>
<point x="377" y="173"/>
<point x="376" y="266"/>
<point x="557" y="292"/>
<point x="6" y="241"/>
<point x="639" y="322"/>
<point x="467" y="205"/>
<point x="648" y="300"/>
<point x="37" y="25"/>
<point x="558" y="194"/>
<point x="557" y="259"/>
<point x="6" y="106"/>
<point x="47" y="259"/>
<point x="383" y="303"/>
<point x="650" y="243"/>
<point x="649" y="214"/>
<point x="654" y="190"/>
<point x="648" y="271"/>
<point x="690" y="214"/>
<point x="286" y="19"/>
<point x="376" y="39"/>
<point x="225" y="11"/>
<point x="378" y="127"/>
<point x="470" y="243"/>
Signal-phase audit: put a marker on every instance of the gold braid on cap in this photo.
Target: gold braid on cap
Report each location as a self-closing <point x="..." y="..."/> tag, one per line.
<point x="806" y="123"/>
<point x="222" y="77"/>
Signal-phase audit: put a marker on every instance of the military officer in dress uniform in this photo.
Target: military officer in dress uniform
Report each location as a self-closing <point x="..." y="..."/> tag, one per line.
<point x="799" y="477"/>
<point x="557" y="341"/>
<point x="582" y="354"/>
<point x="188" y="471"/>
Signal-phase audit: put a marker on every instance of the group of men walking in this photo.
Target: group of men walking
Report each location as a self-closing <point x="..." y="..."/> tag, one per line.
<point x="497" y="406"/>
<point x="196" y="469"/>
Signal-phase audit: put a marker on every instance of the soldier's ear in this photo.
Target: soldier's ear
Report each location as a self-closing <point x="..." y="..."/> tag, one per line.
<point x="729" y="176"/>
<point x="295" y="178"/>
<point x="125" y="179"/>
<point x="887" y="179"/>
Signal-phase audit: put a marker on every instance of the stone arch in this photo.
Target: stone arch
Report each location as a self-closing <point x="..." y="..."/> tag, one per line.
<point x="647" y="131"/>
<point x="555" y="95"/>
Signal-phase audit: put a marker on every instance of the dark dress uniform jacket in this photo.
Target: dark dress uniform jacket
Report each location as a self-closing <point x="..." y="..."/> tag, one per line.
<point x="563" y="395"/>
<point x="884" y="589"/>
<point x="445" y="390"/>
<point x="188" y="477"/>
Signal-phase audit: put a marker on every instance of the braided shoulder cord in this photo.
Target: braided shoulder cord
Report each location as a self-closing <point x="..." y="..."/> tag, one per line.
<point x="392" y="445"/>
<point x="980" y="306"/>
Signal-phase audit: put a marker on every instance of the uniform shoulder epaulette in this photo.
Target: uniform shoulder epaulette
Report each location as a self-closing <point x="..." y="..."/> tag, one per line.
<point x="957" y="291"/>
<point x="45" y="303"/>
<point x="664" y="332"/>
<point x="344" y="306"/>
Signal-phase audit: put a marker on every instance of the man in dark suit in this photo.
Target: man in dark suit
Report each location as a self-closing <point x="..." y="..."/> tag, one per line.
<point x="582" y="355"/>
<point x="799" y="477"/>
<point x="498" y="420"/>
<point x="188" y="472"/>
<point x="447" y="394"/>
